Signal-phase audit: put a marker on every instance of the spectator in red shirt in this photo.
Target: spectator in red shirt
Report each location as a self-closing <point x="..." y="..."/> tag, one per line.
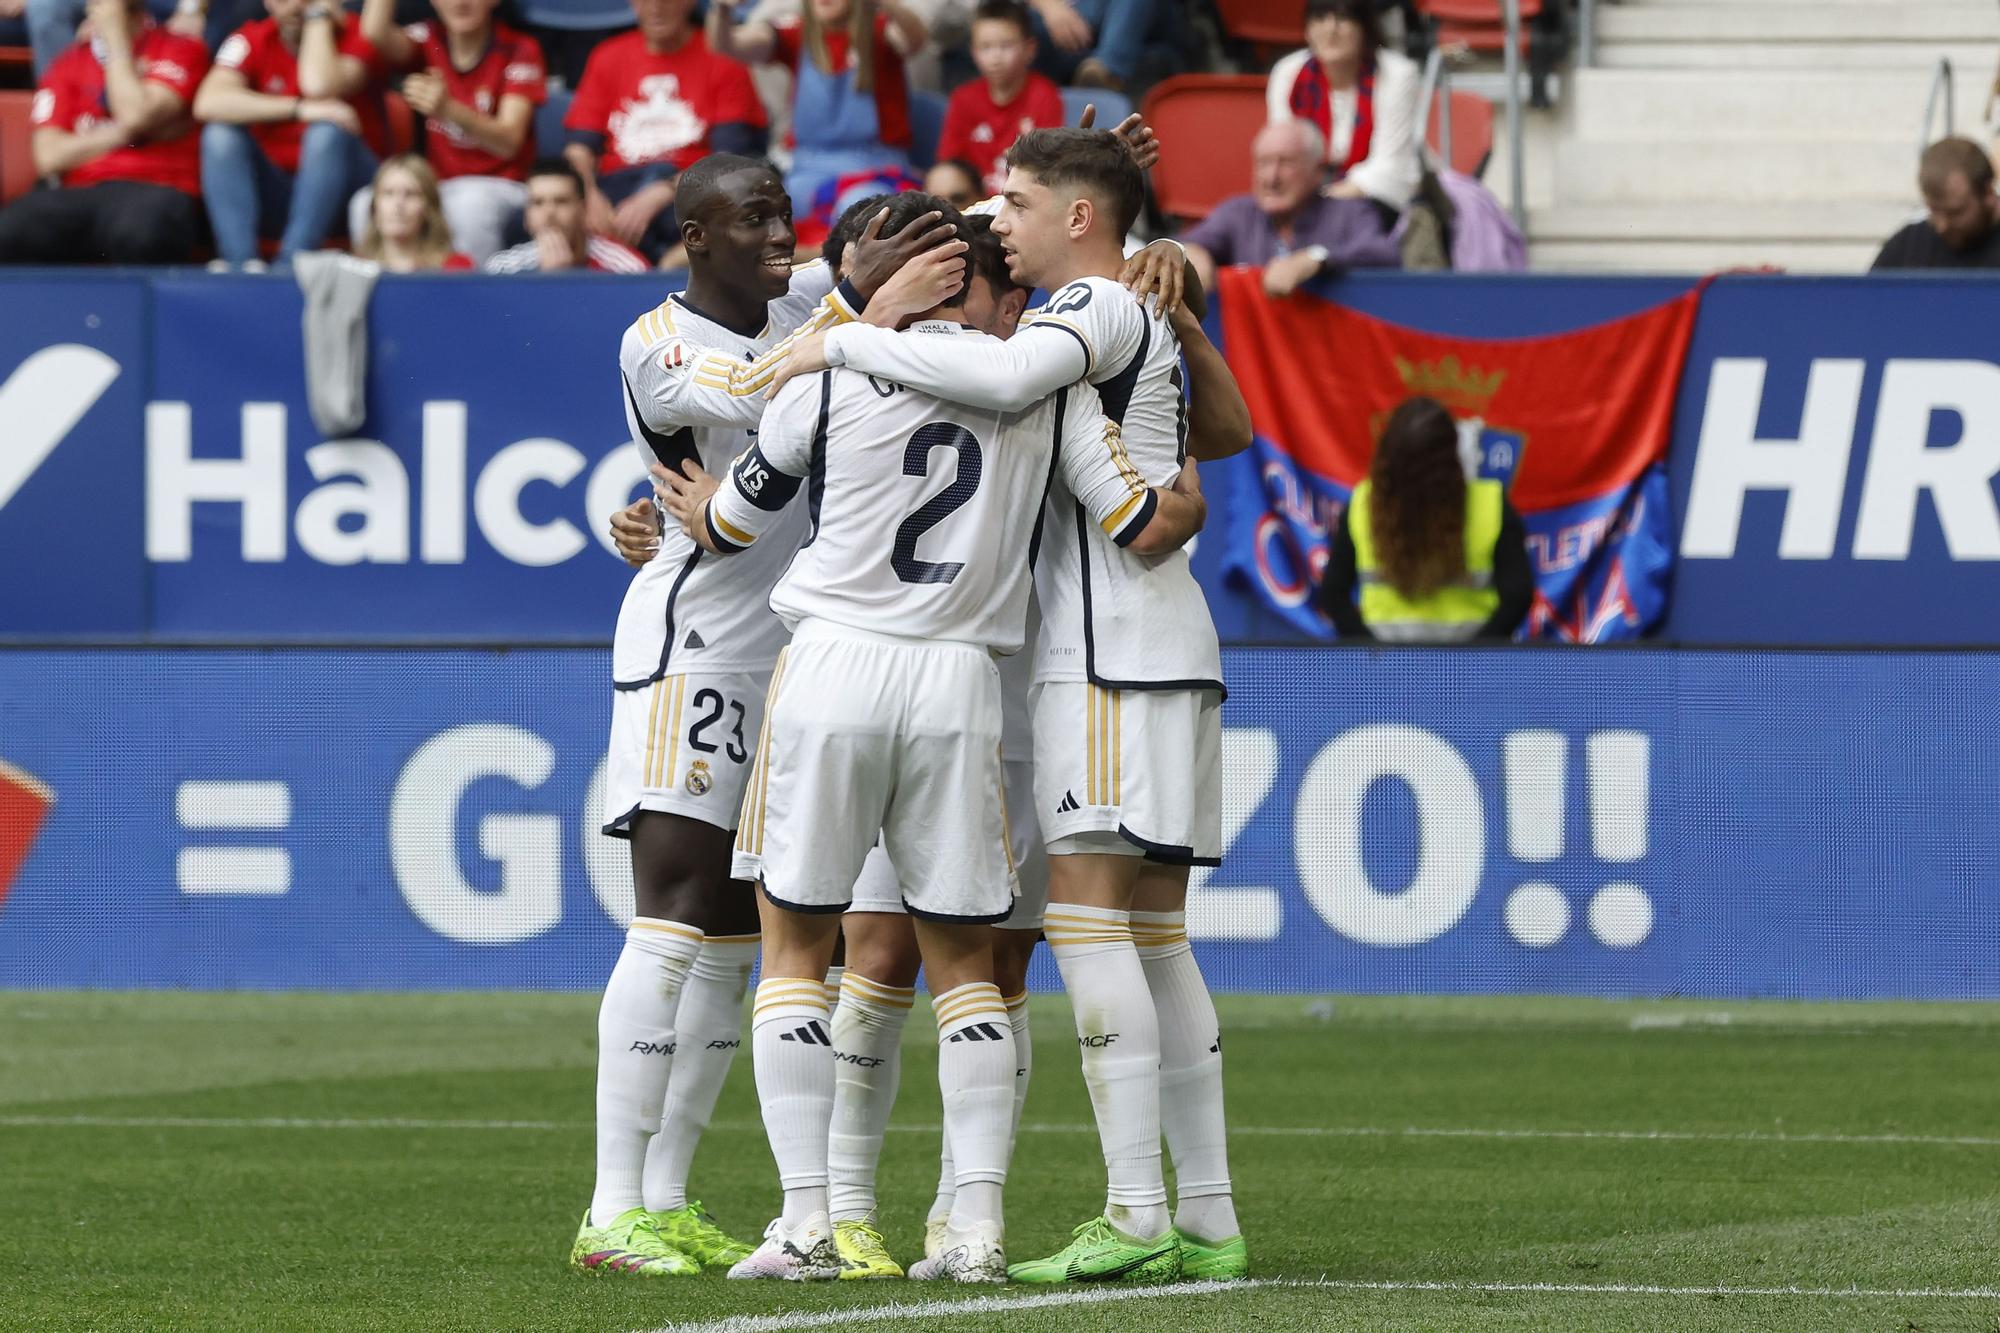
<point x="477" y="83"/>
<point x="559" y="238"/>
<point x="1007" y="99"/>
<point x="272" y="157"/>
<point x="653" y="103"/>
<point x="111" y="120"/>
<point x="850" y="103"/>
<point x="405" y="230"/>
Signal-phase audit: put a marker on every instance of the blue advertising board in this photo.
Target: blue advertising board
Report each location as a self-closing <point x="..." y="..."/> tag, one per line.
<point x="1832" y="466"/>
<point x="1610" y="822"/>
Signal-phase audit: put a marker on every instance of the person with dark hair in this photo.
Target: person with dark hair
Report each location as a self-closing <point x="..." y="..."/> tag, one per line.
<point x="1361" y="97"/>
<point x="476" y="82"/>
<point x="956" y="181"/>
<point x="112" y="120"/>
<point x="1437" y="558"/>
<point x="1130" y="682"/>
<point x="1007" y="100"/>
<point x="887" y="719"/>
<point x="691" y="662"/>
<point x="652" y="103"/>
<point x="1962" y="229"/>
<point x="847" y="229"/>
<point x="850" y="99"/>
<point x="290" y="130"/>
<point x="558" y="238"/>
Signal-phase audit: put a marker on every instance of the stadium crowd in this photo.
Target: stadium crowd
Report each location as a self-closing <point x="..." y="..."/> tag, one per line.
<point x="548" y="134"/>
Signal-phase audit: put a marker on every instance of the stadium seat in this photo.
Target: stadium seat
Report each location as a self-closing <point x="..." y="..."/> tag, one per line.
<point x="549" y="133"/>
<point x="926" y="126"/>
<point x="1205" y="123"/>
<point x="1478" y="24"/>
<point x="1111" y="107"/>
<point x="1471" y="130"/>
<point x="1264" y="22"/>
<point x="17" y="162"/>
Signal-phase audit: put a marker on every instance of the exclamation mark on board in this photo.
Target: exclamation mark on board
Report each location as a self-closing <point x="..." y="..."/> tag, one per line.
<point x="1535" y="766"/>
<point x="1619" y="765"/>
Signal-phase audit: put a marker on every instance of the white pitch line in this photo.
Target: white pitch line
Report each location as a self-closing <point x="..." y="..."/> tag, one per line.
<point x="1248" y="1131"/>
<point x="898" y="1312"/>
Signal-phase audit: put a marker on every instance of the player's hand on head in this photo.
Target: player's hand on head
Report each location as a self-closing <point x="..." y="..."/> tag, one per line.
<point x="635" y="531"/>
<point x="806" y="357"/>
<point x="1154" y="275"/>
<point x="1139" y="140"/>
<point x="877" y="258"/>
<point x="927" y="281"/>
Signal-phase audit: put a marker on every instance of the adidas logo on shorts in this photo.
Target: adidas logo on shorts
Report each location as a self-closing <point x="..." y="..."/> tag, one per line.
<point x="812" y="1034"/>
<point x="1067" y="804"/>
<point x="976" y="1032"/>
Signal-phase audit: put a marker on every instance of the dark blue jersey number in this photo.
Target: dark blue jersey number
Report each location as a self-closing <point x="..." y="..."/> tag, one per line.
<point x="917" y="463"/>
<point x="713" y="701"/>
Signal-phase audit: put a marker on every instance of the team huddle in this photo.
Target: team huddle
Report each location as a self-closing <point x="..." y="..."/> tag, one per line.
<point x="914" y="673"/>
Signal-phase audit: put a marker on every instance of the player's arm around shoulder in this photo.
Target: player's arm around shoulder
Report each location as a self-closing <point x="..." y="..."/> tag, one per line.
<point x="728" y="514"/>
<point x="675" y="382"/>
<point x="1145" y="520"/>
<point x="1218" y="418"/>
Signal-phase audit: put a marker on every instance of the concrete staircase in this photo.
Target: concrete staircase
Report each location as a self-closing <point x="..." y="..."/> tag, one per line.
<point x="1716" y="133"/>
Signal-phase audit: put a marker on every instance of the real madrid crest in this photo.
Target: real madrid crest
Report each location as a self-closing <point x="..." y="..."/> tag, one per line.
<point x="698" y="780"/>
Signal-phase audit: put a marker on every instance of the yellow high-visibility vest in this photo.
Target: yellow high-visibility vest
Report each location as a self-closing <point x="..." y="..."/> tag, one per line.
<point x="1451" y="613"/>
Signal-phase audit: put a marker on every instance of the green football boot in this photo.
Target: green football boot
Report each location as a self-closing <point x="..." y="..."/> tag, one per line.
<point x="630" y="1247"/>
<point x="1099" y="1252"/>
<point x="693" y="1232"/>
<point x="863" y="1255"/>
<point x="1213" y="1261"/>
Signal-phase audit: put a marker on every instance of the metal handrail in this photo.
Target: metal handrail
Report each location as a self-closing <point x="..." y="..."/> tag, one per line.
<point x="1943" y="82"/>
<point x="1436" y="92"/>
<point x="1586" y="33"/>
<point x="1517" y="170"/>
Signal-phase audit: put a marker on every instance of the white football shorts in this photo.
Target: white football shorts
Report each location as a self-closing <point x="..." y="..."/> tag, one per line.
<point x="1145" y="765"/>
<point x="878" y="890"/>
<point x="682" y="746"/>
<point x="869" y="734"/>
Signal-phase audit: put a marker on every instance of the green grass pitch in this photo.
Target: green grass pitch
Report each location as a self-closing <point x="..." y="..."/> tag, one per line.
<point x="420" y="1162"/>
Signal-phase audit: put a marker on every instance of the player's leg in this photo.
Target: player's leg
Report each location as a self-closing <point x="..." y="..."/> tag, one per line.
<point x="811" y="810"/>
<point x="1191" y="1109"/>
<point x="877" y="993"/>
<point x="1178" y="800"/>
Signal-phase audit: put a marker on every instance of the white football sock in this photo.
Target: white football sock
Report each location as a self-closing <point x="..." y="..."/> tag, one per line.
<point x="708" y="1029"/>
<point x="635" y="1052"/>
<point x="1119" y="1037"/>
<point x="1190" y="1076"/>
<point x="833" y="979"/>
<point x="867" y="1065"/>
<point x="793" y="1053"/>
<point x="1024" y="1056"/>
<point x="976" y="1076"/>
<point x="947" y="1183"/>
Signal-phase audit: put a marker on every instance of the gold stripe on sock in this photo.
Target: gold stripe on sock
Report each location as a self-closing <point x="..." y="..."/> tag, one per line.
<point x="669" y="928"/>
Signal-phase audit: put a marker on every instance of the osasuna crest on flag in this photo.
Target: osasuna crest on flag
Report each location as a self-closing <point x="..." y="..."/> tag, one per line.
<point x="1575" y="425"/>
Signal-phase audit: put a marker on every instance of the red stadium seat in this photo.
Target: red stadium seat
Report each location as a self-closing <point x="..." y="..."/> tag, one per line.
<point x="17" y="161"/>
<point x="1471" y="130"/>
<point x="1479" y="25"/>
<point x="1205" y="123"/>
<point x="1266" y="22"/>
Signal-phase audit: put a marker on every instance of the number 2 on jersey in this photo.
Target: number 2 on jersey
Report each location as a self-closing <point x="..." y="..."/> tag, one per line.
<point x="713" y="701"/>
<point x="965" y="482"/>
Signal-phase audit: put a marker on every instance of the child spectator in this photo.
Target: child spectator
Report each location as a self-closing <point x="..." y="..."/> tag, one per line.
<point x="272" y="156"/>
<point x="111" y="120"/>
<point x="850" y="106"/>
<point x="652" y="104"/>
<point x="558" y="237"/>
<point x="1360" y="96"/>
<point x="956" y="181"/>
<point x="1007" y="99"/>
<point x="404" y="230"/>
<point x="477" y="83"/>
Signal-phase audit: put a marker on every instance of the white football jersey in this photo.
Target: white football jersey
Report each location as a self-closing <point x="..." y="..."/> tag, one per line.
<point x="923" y="514"/>
<point x="1119" y="620"/>
<point x="694" y="388"/>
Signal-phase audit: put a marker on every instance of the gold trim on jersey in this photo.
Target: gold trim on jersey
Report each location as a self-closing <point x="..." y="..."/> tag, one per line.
<point x="652" y="737"/>
<point x="728" y="529"/>
<point x="1104" y="758"/>
<point x="1089" y="352"/>
<point x="1006" y="825"/>
<point x="1117" y="518"/>
<point x="750" y="823"/>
